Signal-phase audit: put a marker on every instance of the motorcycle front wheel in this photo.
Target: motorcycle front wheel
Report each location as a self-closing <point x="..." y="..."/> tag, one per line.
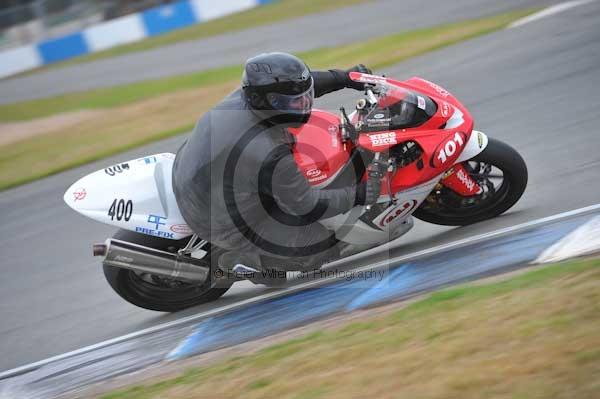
<point x="158" y="293"/>
<point x="502" y="174"/>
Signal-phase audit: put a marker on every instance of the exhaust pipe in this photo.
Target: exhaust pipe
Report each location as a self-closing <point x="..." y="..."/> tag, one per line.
<point x="139" y="258"/>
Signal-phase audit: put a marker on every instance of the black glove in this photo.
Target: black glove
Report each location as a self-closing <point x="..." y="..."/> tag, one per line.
<point x="368" y="192"/>
<point x="356" y="68"/>
<point x="360" y="68"/>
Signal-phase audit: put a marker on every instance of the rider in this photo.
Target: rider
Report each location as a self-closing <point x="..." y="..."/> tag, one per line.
<point x="237" y="184"/>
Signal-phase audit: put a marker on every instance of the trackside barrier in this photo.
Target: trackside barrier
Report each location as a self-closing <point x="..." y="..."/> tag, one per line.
<point x="127" y="29"/>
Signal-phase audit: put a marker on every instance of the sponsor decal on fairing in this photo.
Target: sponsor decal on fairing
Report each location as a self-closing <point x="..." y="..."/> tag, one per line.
<point x="364" y="78"/>
<point x="397" y="212"/>
<point x="156" y="233"/>
<point x="313" y="172"/>
<point x="120" y="209"/>
<point x="440" y="90"/>
<point x="156" y="220"/>
<point x="79" y="194"/>
<point x="480" y="139"/>
<point x="148" y="160"/>
<point x="115" y="169"/>
<point x="467" y="181"/>
<point x="124" y="259"/>
<point x="383" y="139"/>
<point x="318" y="178"/>
<point x="181" y="229"/>
<point x="445" y="109"/>
<point x="448" y="149"/>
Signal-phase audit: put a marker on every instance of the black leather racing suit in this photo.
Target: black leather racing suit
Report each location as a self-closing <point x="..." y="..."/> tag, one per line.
<point x="236" y="183"/>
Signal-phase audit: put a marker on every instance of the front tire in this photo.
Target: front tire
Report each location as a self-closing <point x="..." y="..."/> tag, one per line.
<point x="157" y="293"/>
<point x="497" y="161"/>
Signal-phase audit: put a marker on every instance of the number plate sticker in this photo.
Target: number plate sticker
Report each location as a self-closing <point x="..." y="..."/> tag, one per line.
<point x="120" y="209"/>
<point x="448" y="150"/>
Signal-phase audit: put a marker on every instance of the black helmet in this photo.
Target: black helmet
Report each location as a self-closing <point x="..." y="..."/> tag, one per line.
<point x="279" y="82"/>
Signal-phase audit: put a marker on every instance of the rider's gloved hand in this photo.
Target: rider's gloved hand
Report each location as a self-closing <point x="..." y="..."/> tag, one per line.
<point x="368" y="192"/>
<point x="360" y="68"/>
<point x="356" y="68"/>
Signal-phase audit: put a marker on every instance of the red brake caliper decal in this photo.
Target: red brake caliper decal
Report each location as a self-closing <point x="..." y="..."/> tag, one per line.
<point x="459" y="181"/>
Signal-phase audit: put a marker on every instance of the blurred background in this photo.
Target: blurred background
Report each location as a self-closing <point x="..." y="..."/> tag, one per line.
<point x="88" y="84"/>
<point x="24" y="22"/>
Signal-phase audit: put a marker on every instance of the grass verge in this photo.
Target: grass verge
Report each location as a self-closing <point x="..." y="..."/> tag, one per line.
<point x="112" y="97"/>
<point x="267" y="14"/>
<point x="141" y="112"/>
<point x="532" y="336"/>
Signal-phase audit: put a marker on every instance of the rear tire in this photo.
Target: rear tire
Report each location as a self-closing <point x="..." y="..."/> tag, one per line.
<point x="447" y="208"/>
<point x="157" y="293"/>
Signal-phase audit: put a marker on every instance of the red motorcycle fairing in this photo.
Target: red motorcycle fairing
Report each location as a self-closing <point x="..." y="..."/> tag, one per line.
<point x="321" y="154"/>
<point x="318" y="150"/>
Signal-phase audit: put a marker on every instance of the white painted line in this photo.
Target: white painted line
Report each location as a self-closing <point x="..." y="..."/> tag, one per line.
<point x="549" y="12"/>
<point x="584" y="240"/>
<point x="301" y="287"/>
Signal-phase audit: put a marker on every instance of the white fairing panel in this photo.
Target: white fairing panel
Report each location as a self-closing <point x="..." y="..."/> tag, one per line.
<point x="476" y="144"/>
<point x="457" y="119"/>
<point x="134" y="195"/>
<point x="390" y="224"/>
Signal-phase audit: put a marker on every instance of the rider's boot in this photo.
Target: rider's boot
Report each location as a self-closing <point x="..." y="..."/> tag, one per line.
<point x="249" y="267"/>
<point x="353" y="249"/>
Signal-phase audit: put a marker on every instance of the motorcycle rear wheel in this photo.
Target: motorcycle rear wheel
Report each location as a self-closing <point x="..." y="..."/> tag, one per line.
<point x="497" y="161"/>
<point x="157" y="293"/>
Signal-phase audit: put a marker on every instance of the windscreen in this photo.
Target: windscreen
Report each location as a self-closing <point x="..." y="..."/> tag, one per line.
<point x="399" y="108"/>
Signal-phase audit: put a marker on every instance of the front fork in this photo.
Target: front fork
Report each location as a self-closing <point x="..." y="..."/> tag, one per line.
<point x="458" y="178"/>
<point x="460" y="181"/>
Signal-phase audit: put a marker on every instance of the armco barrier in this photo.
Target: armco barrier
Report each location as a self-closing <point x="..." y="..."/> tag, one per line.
<point x="167" y="18"/>
<point x="62" y="48"/>
<point x="127" y="29"/>
<point x="19" y="59"/>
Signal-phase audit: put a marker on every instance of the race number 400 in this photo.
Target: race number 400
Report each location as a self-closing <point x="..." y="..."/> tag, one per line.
<point x="121" y="210"/>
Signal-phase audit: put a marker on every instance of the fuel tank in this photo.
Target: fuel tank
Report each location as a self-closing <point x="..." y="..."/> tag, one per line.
<point x="319" y="151"/>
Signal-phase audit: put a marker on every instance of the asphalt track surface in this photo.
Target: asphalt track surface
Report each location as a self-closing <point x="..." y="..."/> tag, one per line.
<point x="534" y="87"/>
<point x="301" y="34"/>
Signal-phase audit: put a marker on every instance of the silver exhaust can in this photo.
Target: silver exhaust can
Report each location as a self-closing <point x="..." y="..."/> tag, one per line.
<point x="143" y="259"/>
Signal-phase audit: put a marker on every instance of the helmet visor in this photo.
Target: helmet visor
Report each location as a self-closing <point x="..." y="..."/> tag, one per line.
<point x="293" y="103"/>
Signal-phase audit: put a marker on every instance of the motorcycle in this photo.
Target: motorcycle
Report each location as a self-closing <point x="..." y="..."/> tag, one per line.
<point x="413" y="135"/>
